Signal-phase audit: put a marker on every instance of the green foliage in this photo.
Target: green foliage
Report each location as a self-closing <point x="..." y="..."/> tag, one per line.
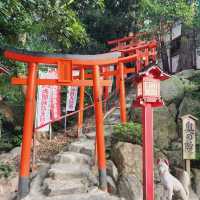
<point x="5" y="170"/>
<point x="17" y="138"/>
<point x="10" y="137"/>
<point x="50" y="24"/>
<point x="158" y="15"/>
<point x="129" y="132"/>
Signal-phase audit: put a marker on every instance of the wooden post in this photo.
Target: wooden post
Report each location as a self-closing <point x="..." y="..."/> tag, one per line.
<point x="187" y="166"/>
<point x="138" y="61"/>
<point x="27" y="131"/>
<point x="99" y="129"/>
<point x="81" y="103"/>
<point x="122" y="95"/>
<point x="147" y="140"/>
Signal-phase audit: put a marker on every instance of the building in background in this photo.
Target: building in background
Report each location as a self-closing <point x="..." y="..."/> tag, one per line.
<point x="183" y="49"/>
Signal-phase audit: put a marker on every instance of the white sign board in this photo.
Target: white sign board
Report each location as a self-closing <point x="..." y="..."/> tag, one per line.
<point x="72" y="92"/>
<point x="189" y="137"/>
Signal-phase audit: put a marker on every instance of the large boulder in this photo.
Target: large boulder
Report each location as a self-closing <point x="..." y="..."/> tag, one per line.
<point x="127" y="158"/>
<point x="112" y="170"/>
<point x="174" y="153"/>
<point x="164" y="127"/>
<point x="130" y="188"/>
<point x="187" y="74"/>
<point x="172" y="89"/>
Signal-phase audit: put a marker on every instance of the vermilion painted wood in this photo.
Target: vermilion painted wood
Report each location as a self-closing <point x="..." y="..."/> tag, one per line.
<point x="23" y="81"/>
<point x="125" y="39"/>
<point x="53" y="60"/>
<point x="148" y="161"/>
<point x="122" y="96"/>
<point x="106" y="73"/>
<point x="81" y="103"/>
<point x="65" y="71"/>
<point x="29" y="117"/>
<point x="99" y="128"/>
<point x="106" y="90"/>
<point x="142" y="45"/>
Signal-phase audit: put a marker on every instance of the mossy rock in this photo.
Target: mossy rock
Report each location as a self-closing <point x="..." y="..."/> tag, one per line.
<point x="165" y="129"/>
<point x="191" y="105"/>
<point x="172" y="90"/>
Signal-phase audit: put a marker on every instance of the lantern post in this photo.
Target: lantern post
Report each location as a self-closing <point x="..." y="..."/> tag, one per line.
<point x="148" y="96"/>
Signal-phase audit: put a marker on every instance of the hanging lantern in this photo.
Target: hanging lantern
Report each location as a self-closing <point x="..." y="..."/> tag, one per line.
<point x="148" y="86"/>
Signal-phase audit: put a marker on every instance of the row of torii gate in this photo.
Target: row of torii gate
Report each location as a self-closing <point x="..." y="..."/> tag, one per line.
<point x="95" y="72"/>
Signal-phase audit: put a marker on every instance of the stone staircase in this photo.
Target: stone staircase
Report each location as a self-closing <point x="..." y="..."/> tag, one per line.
<point x="73" y="174"/>
<point x="114" y="118"/>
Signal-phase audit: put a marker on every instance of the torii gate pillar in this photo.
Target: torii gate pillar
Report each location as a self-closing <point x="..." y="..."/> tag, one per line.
<point x="29" y="117"/>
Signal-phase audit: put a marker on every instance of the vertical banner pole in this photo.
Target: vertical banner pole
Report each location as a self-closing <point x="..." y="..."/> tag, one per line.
<point x="99" y="128"/>
<point x="27" y="131"/>
<point x="81" y="104"/>
<point x="147" y="121"/>
<point x="122" y="95"/>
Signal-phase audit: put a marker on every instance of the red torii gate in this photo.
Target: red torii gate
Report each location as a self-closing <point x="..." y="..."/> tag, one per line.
<point x="99" y="66"/>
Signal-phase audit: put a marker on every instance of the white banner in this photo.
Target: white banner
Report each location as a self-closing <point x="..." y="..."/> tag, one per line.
<point x="48" y="101"/>
<point x="43" y="104"/>
<point x="72" y="92"/>
<point x="55" y="96"/>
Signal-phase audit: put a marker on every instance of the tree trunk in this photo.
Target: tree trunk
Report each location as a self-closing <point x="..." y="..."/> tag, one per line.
<point x="164" y="57"/>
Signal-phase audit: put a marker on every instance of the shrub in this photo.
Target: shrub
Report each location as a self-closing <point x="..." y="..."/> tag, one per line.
<point x="5" y="170"/>
<point x="129" y="132"/>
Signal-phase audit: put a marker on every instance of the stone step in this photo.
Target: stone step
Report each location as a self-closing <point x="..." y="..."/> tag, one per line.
<point x="91" y="135"/>
<point x="95" y="195"/>
<point x="116" y="113"/>
<point x="72" y="158"/>
<point x="84" y="146"/>
<point x="68" y="171"/>
<point x="107" y="132"/>
<point x="112" y="121"/>
<point x="65" y="187"/>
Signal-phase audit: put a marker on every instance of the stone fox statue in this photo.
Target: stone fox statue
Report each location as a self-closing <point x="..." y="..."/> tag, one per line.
<point x="171" y="184"/>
